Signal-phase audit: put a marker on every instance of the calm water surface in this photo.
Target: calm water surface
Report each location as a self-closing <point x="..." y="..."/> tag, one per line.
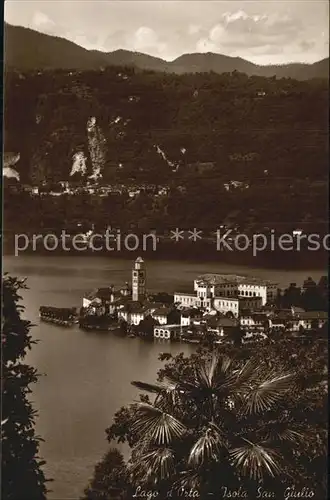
<point x="87" y="375"/>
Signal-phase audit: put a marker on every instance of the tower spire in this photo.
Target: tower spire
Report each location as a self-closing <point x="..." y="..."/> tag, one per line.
<point x="138" y="280"/>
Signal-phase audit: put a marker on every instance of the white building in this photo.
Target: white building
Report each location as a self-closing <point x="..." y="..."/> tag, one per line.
<point x="161" y="315"/>
<point x="186" y="299"/>
<point x="99" y="296"/>
<point x="204" y="299"/>
<point x="167" y="332"/>
<point x="255" y="323"/>
<point x="133" y="313"/>
<point x="189" y="317"/>
<point x="137" y="316"/>
<point x="229" y="285"/>
<point x="309" y="320"/>
<point x="225" y="305"/>
<point x="225" y="294"/>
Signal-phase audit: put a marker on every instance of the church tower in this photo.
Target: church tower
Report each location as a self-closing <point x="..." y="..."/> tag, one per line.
<point x="138" y="280"/>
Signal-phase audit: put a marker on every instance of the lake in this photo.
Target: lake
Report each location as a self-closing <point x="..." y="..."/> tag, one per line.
<point x="87" y="375"/>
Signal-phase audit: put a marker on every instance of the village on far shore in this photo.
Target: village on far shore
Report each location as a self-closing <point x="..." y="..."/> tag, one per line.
<point x="219" y="306"/>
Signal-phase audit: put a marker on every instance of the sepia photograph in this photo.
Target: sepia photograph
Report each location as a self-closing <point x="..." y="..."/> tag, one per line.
<point x="165" y="245"/>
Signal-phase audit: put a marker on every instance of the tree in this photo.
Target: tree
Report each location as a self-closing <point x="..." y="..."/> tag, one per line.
<point x="109" y="481"/>
<point x="174" y="316"/>
<point x="229" y="314"/>
<point x="146" y="326"/>
<point x="235" y="335"/>
<point x="314" y="297"/>
<point x="246" y="420"/>
<point x="163" y="297"/>
<point x="291" y="296"/>
<point x="22" y="475"/>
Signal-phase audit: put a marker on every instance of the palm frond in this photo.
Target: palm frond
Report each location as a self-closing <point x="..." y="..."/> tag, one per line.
<point x="248" y="373"/>
<point x="225" y="363"/>
<point x="214" y="373"/>
<point x="167" y="394"/>
<point x="207" y="369"/>
<point x="280" y="431"/>
<point x="255" y="460"/>
<point x="207" y="447"/>
<point x="144" y="386"/>
<point x="188" y="479"/>
<point x="168" y="399"/>
<point x="157" y="464"/>
<point x="160" y="426"/>
<point x="226" y="376"/>
<point x="143" y="445"/>
<point x="266" y="394"/>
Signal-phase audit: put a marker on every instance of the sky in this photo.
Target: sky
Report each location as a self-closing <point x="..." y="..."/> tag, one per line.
<point x="261" y="31"/>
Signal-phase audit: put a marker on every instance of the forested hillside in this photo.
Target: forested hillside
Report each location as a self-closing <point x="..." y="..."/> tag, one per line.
<point x="246" y="125"/>
<point x="250" y="151"/>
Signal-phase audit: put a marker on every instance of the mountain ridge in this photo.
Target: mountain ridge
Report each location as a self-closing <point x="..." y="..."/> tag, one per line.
<point x="29" y="50"/>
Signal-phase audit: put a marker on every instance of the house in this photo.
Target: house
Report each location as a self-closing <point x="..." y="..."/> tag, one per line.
<point x="101" y="297"/>
<point x="134" y="193"/>
<point x="189" y="317"/>
<point x="226" y="305"/>
<point x="230" y="285"/>
<point x="126" y="290"/>
<point x="161" y="315"/>
<point x="138" y="315"/>
<point x="225" y="325"/>
<point x="185" y="318"/>
<point x="110" y="299"/>
<point x="132" y="312"/>
<point x="254" y="323"/>
<point x="167" y="332"/>
<point x="278" y="324"/>
<point x="223" y="293"/>
<point x="309" y="320"/>
<point x="231" y="185"/>
<point x="186" y="299"/>
<point x="253" y="336"/>
<point x="249" y="304"/>
<point x="296" y="319"/>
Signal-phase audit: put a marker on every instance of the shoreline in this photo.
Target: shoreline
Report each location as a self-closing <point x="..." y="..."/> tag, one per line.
<point x="185" y="251"/>
<point x="317" y="261"/>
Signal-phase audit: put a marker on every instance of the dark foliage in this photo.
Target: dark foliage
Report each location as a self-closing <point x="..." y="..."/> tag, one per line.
<point x="310" y="297"/>
<point x="302" y="412"/>
<point x="109" y="481"/>
<point x="22" y="475"/>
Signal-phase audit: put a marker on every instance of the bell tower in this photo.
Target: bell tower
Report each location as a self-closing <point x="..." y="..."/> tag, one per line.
<point x="138" y="280"/>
